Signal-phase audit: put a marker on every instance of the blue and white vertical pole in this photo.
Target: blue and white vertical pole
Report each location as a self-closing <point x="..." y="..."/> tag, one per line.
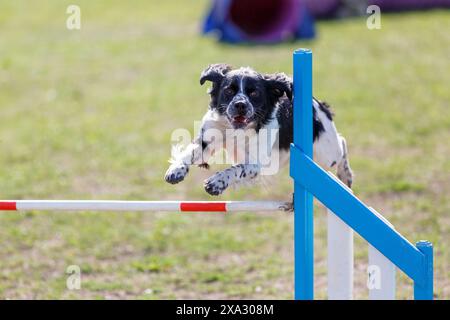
<point x="303" y="200"/>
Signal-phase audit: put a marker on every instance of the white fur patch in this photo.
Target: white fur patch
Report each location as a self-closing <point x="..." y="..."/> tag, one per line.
<point x="328" y="147"/>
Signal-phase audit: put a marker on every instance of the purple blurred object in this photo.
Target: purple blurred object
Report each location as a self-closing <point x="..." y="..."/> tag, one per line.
<point x="334" y="8"/>
<point x="323" y="8"/>
<point x="399" y="5"/>
<point x="264" y="20"/>
<point x="259" y="21"/>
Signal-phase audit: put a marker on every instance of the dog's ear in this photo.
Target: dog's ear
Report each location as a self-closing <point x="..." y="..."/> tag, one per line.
<point x="279" y="84"/>
<point x="215" y="73"/>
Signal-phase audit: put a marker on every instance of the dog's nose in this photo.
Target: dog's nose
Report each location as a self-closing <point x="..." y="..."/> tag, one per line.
<point x="240" y="107"/>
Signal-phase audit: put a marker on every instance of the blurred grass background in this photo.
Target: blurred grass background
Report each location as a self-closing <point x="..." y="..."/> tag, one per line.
<point x="88" y="114"/>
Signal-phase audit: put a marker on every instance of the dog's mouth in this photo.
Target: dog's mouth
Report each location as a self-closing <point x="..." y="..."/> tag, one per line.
<point x="240" y="121"/>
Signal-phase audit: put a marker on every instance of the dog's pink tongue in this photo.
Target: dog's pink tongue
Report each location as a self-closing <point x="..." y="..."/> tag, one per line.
<point x="240" y="119"/>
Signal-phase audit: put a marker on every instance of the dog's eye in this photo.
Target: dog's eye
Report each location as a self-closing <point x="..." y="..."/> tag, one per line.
<point x="229" y="91"/>
<point x="253" y="93"/>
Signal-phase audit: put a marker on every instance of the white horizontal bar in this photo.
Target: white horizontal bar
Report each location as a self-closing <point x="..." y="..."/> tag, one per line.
<point x="255" y="205"/>
<point x="110" y="205"/>
<point x="94" y="205"/>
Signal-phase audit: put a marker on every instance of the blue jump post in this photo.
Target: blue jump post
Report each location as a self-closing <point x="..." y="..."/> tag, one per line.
<point x="303" y="200"/>
<point x="310" y="179"/>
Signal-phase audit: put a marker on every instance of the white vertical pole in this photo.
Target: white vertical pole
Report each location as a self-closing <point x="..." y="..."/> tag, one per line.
<point x="381" y="272"/>
<point x="340" y="259"/>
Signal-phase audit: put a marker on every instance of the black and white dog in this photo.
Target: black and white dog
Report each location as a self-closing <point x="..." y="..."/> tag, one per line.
<point x="243" y="100"/>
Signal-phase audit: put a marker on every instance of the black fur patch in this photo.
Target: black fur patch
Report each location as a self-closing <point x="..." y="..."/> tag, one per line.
<point x="317" y="126"/>
<point x="325" y="108"/>
<point x="285" y="120"/>
<point x="204" y="144"/>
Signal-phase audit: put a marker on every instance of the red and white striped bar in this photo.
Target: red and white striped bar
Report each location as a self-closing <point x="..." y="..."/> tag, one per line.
<point x="108" y="205"/>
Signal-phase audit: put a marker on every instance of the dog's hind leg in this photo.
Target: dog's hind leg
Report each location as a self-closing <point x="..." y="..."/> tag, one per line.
<point x="344" y="172"/>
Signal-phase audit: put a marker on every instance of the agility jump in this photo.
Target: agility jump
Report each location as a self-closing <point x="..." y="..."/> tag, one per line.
<point x="388" y="249"/>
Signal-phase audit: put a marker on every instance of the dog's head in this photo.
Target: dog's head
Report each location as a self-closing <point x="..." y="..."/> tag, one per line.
<point x="245" y="97"/>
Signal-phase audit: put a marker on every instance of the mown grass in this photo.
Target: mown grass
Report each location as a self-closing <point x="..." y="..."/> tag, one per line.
<point x="89" y="114"/>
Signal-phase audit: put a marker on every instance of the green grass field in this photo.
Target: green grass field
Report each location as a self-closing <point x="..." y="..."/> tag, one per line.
<point x="89" y="114"/>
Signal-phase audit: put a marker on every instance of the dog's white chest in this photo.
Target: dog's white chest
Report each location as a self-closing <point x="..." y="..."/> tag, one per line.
<point x="253" y="147"/>
<point x="239" y="145"/>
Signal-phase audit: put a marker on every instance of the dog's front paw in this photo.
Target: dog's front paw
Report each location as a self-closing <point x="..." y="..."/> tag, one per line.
<point x="216" y="184"/>
<point x="176" y="173"/>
